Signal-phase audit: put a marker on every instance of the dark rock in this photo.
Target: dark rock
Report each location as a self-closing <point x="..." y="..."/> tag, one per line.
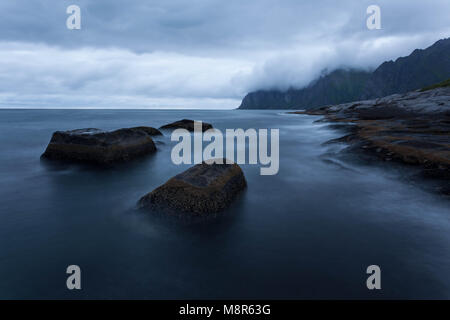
<point x="99" y="147"/>
<point x="437" y="173"/>
<point x="202" y="189"/>
<point x="422" y="144"/>
<point x="149" y="130"/>
<point x="186" y="124"/>
<point x="411" y="128"/>
<point x="383" y="113"/>
<point x="445" y="190"/>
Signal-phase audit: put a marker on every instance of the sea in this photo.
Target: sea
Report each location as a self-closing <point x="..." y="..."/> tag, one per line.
<point x="308" y="232"/>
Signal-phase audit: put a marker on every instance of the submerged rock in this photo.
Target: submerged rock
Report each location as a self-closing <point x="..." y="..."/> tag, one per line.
<point x="202" y="189"/>
<point x="99" y="147"/>
<point x="186" y="124"/>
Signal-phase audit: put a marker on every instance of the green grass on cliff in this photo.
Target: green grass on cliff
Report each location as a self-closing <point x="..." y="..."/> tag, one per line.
<point x="445" y="83"/>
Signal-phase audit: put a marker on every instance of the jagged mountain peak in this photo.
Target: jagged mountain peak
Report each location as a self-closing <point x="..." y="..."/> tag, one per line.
<point x="423" y="67"/>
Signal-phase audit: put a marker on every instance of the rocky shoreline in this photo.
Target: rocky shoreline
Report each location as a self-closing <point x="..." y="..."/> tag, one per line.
<point x="411" y="128"/>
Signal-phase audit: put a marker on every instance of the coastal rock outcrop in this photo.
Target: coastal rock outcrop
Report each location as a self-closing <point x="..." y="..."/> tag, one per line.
<point x="186" y="124"/>
<point x="412" y="128"/>
<point x="202" y="189"/>
<point x="99" y="147"/>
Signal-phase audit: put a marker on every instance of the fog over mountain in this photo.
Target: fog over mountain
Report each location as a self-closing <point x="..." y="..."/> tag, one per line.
<point x="195" y="54"/>
<point x="420" y="69"/>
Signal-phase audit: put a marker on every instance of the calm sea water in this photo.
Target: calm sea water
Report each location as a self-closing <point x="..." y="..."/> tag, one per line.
<point x="308" y="232"/>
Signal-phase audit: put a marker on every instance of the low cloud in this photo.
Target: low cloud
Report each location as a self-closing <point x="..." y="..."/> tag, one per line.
<point x="89" y="77"/>
<point x="299" y="66"/>
<point x="195" y="54"/>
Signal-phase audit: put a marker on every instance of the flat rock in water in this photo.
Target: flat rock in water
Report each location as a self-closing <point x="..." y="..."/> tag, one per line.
<point x="202" y="189"/>
<point x="186" y="124"/>
<point x="99" y="147"/>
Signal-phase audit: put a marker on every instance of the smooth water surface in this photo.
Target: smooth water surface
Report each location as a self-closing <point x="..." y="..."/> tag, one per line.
<point x="308" y="232"/>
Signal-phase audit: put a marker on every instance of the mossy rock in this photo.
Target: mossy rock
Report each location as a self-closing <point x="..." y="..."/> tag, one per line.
<point x="202" y="189"/>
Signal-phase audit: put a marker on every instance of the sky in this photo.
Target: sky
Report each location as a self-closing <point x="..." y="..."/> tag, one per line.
<point x="204" y="54"/>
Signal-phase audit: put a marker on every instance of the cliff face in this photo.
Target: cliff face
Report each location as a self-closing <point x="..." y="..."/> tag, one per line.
<point x="337" y="87"/>
<point x="420" y="69"/>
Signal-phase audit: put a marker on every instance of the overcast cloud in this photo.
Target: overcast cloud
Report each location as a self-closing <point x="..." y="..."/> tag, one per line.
<point x="197" y="53"/>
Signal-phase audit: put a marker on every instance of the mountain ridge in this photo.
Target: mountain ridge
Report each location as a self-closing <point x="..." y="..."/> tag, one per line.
<point x="423" y="67"/>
